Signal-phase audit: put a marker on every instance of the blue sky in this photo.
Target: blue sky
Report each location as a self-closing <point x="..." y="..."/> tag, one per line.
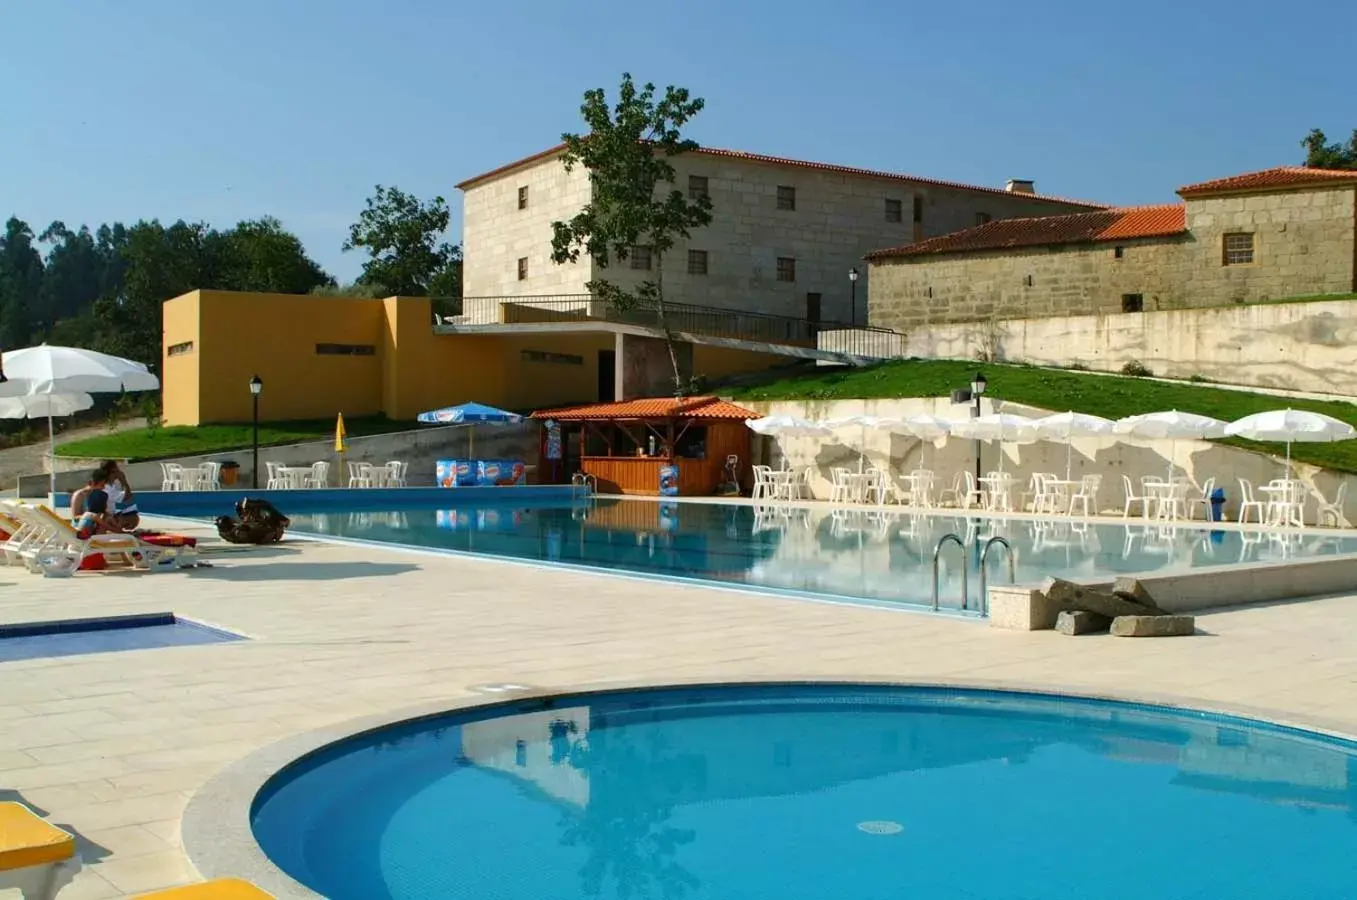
<point x="296" y="108"/>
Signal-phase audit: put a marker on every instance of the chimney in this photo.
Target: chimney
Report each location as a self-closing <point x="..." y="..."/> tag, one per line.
<point x="1021" y="186"/>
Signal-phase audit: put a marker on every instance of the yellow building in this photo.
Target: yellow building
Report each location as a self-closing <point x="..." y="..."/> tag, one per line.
<point x="321" y="355"/>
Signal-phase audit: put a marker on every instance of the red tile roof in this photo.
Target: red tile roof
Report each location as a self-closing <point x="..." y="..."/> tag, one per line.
<point x="1126" y="223"/>
<point x="654" y="408"/>
<point x="1280" y="178"/>
<point x="795" y="163"/>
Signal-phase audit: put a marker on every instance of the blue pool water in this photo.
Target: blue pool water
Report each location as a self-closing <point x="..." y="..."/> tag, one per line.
<point x="816" y="792"/>
<point x="74" y="637"/>
<point x="884" y="557"/>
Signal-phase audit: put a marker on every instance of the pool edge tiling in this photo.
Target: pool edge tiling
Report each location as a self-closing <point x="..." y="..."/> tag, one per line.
<point x="217" y="825"/>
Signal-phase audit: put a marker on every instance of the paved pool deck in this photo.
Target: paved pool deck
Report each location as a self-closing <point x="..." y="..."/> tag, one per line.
<point x="112" y="746"/>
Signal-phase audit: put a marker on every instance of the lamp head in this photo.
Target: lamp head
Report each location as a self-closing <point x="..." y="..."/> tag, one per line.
<point x="978" y="384"/>
<point x="256" y="385"/>
<point x="853" y="274"/>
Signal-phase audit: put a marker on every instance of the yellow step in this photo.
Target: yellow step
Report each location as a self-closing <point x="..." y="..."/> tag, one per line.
<point x="220" y="889"/>
<point x="26" y="840"/>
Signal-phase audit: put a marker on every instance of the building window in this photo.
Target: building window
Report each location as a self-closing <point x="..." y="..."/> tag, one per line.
<point x="786" y="268"/>
<point x="179" y="349"/>
<point x="346" y="350"/>
<point x="697" y="262"/>
<point x="895" y="211"/>
<point x="918" y="210"/>
<point x="1118" y="252"/>
<point x="982" y="218"/>
<point x="1238" y="249"/>
<point x="786" y="197"/>
<point x="640" y="258"/>
<point x="522" y="268"/>
<point x="523" y="197"/>
<point x="1132" y="303"/>
<point x="543" y="356"/>
<point x="697" y="187"/>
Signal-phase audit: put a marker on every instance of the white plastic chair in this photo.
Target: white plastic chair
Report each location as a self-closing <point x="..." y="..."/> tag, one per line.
<point x="209" y="476"/>
<point x="171" y="477"/>
<point x="275" y="482"/>
<point x="840" y="490"/>
<point x="319" y="477"/>
<point x="1247" y="501"/>
<point x="1203" y="500"/>
<point x="395" y="473"/>
<point x="1332" y="510"/>
<point x="1132" y="498"/>
<point x="763" y="485"/>
<point x="358" y="477"/>
<point x="1086" y="497"/>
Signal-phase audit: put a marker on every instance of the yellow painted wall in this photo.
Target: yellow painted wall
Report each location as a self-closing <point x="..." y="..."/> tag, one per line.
<point x="179" y="374"/>
<point x="239" y="335"/>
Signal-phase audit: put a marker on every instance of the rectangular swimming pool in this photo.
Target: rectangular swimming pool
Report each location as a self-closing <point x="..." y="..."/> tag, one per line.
<point x="854" y="555"/>
<point x="75" y="637"/>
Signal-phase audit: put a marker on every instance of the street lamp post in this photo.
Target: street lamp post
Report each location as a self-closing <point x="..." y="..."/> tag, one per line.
<point x="256" y="387"/>
<point x="853" y="294"/>
<point x="978" y="386"/>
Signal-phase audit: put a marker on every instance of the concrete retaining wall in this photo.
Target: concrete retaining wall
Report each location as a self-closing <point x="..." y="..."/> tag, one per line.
<point x="1110" y="457"/>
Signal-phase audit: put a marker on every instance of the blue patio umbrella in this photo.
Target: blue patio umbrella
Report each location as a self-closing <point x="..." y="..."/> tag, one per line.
<point x="470" y="414"/>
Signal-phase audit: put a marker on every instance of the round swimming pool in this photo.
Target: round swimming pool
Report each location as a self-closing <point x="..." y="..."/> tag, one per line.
<point x="815" y="792"/>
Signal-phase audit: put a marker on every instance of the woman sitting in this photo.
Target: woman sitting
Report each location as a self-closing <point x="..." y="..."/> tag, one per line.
<point x="93" y="517"/>
<point x="122" y="504"/>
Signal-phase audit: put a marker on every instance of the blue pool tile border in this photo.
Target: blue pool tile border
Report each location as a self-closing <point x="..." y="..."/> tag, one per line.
<point x="222" y="502"/>
<point x="75" y="626"/>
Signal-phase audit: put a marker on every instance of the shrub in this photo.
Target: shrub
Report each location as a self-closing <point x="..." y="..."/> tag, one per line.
<point x="1136" y="369"/>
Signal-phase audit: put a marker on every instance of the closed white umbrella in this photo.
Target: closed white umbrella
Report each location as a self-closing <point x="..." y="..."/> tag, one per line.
<point x="1171" y="426"/>
<point x="1001" y="427"/>
<point x="48" y="370"/>
<point x="1291" y="426"/>
<point x="1067" y="426"/>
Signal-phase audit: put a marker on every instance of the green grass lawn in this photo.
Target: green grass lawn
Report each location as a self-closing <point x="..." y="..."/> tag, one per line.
<point x="1110" y="396"/>
<point x="183" y="440"/>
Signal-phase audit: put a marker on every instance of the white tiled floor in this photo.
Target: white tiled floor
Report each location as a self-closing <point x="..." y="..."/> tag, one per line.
<point x="113" y="745"/>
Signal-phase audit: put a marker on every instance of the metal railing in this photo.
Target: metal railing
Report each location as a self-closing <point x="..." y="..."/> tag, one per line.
<point x="965" y="577"/>
<point x="984" y="569"/>
<point x="838" y="337"/>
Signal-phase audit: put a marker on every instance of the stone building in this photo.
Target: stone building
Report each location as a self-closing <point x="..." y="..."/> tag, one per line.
<point x="1250" y="238"/>
<point x="783" y="238"/>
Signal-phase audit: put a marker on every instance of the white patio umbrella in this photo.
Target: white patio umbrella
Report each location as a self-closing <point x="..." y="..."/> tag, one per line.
<point x="1291" y="426"/>
<point x="862" y="423"/>
<point x="48" y="406"/>
<point x="927" y="428"/>
<point x="70" y="371"/>
<point x="1006" y="428"/>
<point x="1067" y="426"/>
<point x="786" y="426"/>
<point x="1172" y="426"/>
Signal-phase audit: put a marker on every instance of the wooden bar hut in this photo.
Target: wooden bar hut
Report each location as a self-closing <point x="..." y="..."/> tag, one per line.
<point x="625" y="445"/>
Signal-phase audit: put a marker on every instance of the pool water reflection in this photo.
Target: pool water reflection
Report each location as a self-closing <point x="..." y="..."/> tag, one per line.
<point x="884" y="556"/>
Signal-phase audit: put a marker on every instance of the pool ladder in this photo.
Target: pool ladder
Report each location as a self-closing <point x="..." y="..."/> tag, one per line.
<point x="951" y="538"/>
<point x="584" y="480"/>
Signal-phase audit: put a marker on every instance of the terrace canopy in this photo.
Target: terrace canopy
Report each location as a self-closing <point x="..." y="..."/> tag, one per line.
<point x="626" y="445"/>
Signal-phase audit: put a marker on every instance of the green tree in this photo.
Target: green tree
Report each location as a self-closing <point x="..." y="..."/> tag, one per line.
<point x="21" y="274"/>
<point x="79" y="268"/>
<point x="261" y="255"/>
<point x="1320" y="154"/>
<point x="634" y="203"/>
<point x="401" y="235"/>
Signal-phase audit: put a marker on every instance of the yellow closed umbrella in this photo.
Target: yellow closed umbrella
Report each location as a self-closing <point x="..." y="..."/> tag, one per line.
<point x="340" y="434"/>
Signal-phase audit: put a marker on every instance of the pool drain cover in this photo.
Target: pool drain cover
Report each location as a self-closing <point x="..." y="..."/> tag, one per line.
<point x="881" y="827"/>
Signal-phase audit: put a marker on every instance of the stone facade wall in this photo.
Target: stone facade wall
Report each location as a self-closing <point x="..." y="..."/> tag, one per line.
<point x="1303" y="244"/>
<point x="496" y="233"/>
<point x="1308" y="347"/>
<point x="838" y="218"/>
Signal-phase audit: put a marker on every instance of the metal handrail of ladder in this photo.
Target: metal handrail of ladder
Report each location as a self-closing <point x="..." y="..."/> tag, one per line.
<point x="585" y="479"/>
<point x="965" y="576"/>
<point x="984" y="569"/>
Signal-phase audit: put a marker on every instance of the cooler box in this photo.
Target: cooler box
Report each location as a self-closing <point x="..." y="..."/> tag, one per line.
<point x="500" y="472"/>
<point x="455" y="473"/>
